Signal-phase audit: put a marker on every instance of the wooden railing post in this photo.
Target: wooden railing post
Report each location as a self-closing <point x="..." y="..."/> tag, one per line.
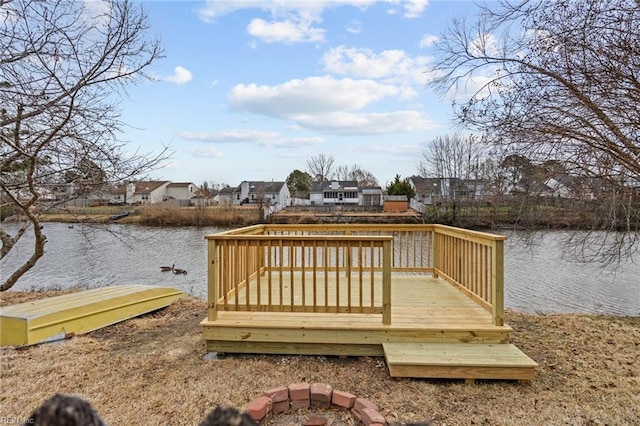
<point x="497" y="277"/>
<point x="386" y="282"/>
<point x="212" y="279"/>
<point x="434" y="254"/>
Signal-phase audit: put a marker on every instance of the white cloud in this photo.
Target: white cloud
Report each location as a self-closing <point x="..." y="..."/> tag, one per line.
<point x="292" y="142"/>
<point x="412" y="8"/>
<point x="263" y="138"/>
<point x="205" y="151"/>
<point x="394" y="66"/>
<point x="313" y="95"/>
<point x="229" y="136"/>
<point x="296" y="21"/>
<point x="214" y="9"/>
<point x="180" y="75"/>
<point x="367" y="123"/>
<point x="428" y="40"/>
<point x="285" y="31"/>
<point x="485" y="43"/>
<point x="330" y="105"/>
<point x="355" y="27"/>
<point x="415" y="8"/>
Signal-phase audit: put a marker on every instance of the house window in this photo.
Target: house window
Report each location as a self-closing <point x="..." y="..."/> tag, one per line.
<point x="331" y="194"/>
<point x="350" y="194"/>
<point x="145" y="196"/>
<point x="238" y="197"/>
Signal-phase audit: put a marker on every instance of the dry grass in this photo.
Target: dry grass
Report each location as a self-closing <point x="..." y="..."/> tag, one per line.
<point x="150" y="370"/>
<point x="224" y="216"/>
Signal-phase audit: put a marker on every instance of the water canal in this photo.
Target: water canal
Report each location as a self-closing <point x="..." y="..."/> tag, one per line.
<point x="539" y="277"/>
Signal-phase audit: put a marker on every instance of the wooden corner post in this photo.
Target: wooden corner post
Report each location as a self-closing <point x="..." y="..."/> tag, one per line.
<point x="212" y="279"/>
<point x="497" y="277"/>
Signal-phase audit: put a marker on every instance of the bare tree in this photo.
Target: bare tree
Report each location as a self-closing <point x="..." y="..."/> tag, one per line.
<point x="320" y="167"/>
<point x="355" y="173"/>
<point x="556" y="80"/>
<point x="63" y="65"/>
<point x="451" y="156"/>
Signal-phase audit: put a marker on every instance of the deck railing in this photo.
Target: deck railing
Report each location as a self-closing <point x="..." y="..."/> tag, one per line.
<point x="474" y="263"/>
<point x="346" y="268"/>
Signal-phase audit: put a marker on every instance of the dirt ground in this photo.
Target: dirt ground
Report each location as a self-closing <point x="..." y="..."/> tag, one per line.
<point x="150" y="370"/>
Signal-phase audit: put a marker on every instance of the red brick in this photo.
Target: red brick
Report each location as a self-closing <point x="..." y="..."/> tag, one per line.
<point x="356" y="415"/>
<point x="280" y="407"/>
<point x="315" y="421"/>
<point x="298" y="404"/>
<point x="299" y="391"/>
<point x="321" y="392"/>
<point x="277" y="394"/>
<point x="369" y="417"/>
<point x="362" y="403"/>
<point x="259" y="408"/>
<point x="343" y="399"/>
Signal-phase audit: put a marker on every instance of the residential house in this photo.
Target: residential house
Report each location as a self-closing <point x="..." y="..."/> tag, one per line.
<point x="150" y="192"/>
<point x="335" y="192"/>
<point x="254" y="192"/>
<point x="122" y="194"/>
<point x="181" y="190"/>
<point x="226" y="196"/>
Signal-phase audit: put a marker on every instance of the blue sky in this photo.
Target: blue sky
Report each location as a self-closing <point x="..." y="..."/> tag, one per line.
<point x="250" y="90"/>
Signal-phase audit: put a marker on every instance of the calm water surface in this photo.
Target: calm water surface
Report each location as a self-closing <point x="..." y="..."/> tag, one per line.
<point x="539" y="278"/>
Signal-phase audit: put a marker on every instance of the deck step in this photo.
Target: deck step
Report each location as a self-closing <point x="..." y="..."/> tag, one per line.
<point x="55" y="317"/>
<point x="467" y="361"/>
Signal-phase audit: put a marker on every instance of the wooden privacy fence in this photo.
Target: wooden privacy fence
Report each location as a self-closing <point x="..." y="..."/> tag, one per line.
<point x="346" y="268"/>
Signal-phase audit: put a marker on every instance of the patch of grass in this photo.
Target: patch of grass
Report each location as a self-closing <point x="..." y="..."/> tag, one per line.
<point x="223" y="216"/>
<point x="149" y="370"/>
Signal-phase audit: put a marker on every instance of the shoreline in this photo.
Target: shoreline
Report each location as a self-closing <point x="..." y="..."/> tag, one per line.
<point x="225" y="217"/>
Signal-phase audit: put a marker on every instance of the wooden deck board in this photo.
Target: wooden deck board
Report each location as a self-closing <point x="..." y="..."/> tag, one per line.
<point x="424" y="309"/>
<point x="76" y="313"/>
<point x="463" y="361"/>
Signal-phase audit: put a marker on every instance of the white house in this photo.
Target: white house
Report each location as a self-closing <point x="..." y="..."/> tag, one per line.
<point x="335" y="192"/>
<point x="252" y="192"/>
<point x="150" y="192"/>
<point x="181" y="190"/>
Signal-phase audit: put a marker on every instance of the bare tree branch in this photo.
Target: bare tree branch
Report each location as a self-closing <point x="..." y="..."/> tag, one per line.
<point x="63" y="70"/>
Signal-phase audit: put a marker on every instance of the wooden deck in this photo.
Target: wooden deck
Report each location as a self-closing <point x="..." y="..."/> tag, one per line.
<point x="423" y="309"/>
<point x="57" y="317"/>
<point x="428" y="298"/>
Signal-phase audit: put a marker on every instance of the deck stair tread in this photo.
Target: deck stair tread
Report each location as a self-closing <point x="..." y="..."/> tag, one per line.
<point x="80" y="312"/>
<point x="458" y="360"/>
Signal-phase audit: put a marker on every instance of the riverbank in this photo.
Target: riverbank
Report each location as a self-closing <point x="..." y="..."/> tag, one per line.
<point x="589" y="374"/>
<point x="229" y="216"/>
<point x="158" y="215"/>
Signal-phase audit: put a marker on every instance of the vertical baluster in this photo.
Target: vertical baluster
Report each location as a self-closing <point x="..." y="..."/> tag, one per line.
<point x="302" y="271"/>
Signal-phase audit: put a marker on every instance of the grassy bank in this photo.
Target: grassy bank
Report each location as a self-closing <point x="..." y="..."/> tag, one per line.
<point x="159" y="215"/>
<point x="149" y="370"/>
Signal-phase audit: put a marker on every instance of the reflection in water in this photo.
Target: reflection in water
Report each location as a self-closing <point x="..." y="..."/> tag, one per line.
<point x="537" y="277"/>
<point x="542" y="276"/>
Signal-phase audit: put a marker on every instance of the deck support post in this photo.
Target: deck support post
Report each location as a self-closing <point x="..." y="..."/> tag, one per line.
<point x="386" y="282"/>
<point x="212" y="280"/>
<point x="497" y="277"/>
